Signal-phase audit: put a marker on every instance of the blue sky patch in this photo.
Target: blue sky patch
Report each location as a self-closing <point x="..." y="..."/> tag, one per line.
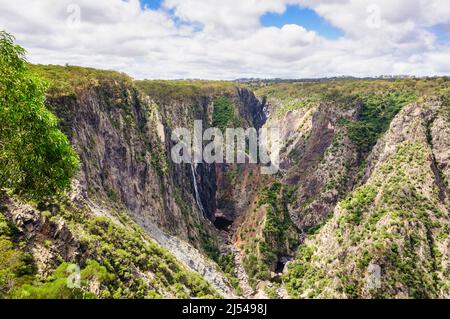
<point x="152" y="4"/>
<point x="304" y="17"/>
<point x="442" y="32"/>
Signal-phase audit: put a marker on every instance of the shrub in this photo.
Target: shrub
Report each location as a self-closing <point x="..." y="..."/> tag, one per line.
<point x="378" y="111"/>
<point x="57" y="286"/>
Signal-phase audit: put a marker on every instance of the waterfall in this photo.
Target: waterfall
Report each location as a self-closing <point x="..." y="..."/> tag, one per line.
<point x="197" y="195"/>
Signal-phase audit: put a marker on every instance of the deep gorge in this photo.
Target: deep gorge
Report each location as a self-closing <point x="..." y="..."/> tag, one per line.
<point x="358" y="167"/>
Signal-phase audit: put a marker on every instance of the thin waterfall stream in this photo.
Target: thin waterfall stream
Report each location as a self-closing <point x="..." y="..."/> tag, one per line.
<point x="197" y="195"/>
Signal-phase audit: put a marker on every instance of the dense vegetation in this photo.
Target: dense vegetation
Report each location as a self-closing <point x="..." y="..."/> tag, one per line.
<point x="123" y="262"/>
<point x="377" y="112"/>
<point x="162" y="90"/>
<point x="385" y="96"/>
<point x="36" y="158"/>
<point x="224" y="115"/>
<point x="352" y="88"/>
<point x="386" y="221"/>
<point x="67" y="80"/>
<point x="67" y="283"/>
<point x="122" y="247"/>
<point x="391" y="222"/>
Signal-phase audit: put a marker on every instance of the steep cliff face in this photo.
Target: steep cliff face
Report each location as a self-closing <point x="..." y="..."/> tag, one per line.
<point x="321" y="163"/>
<point x="118" y="135"/>
<point x="317" y="168"/>
<point x="217" y="184"/>
<point x="328" y="131"/>
<point x="123" y="136"/>
<point x="389" y="238"/>
<point x="363" y="189"/>
<point x="123" y="139"/>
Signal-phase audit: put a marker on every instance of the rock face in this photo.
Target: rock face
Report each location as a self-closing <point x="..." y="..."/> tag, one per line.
<point x="47" y="239"/>
<point x="124" y="141"/>
<point x="321" y="163"/>
<point x="118" y="135"/>
<point x="390" y="237"/>
<point x="368" y="221"/>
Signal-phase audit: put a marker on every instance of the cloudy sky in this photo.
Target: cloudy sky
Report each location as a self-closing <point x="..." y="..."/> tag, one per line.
<point x="228" y="39"/>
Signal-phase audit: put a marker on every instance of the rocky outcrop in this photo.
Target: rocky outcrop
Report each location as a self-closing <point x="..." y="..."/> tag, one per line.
<point x="69" y="232"/>
<point x="251" y="108"/>
<point x="320" y="161"/>
<point x="389" y="238"/>
<point x="49" y="240"/>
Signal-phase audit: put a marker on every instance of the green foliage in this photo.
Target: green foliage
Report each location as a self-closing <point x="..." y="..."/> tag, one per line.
<point x="18" y="277"/>
<point x="278" y="228"/>
<point x="392" y="222"/>
<point x="209" y="244"/>
<point x="224" y="113"/>
<point x="4" y="225"/>
<point x="445" y="96"/>
<point x="62" y="284"/>
<point x="67" y="80"/>
<point x="16" y="266"/>
<point x="162" y="90"/>
<point x="36" y="159"/>
<point x="357" y="203"/>
<point x="348" y="89"/>
<point x="122" y="249"/>
<point x="272" y="291"/>
<point x="295" y="103"/>
<point x="124" y="263"/>
<point x="159" y="160"/>
<point x="255" y="269"/>
<point x="378" y="110"/>
<point x="227" y="263"/>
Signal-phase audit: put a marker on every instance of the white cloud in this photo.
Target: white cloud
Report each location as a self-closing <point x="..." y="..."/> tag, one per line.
<point x="224" y="39"/>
